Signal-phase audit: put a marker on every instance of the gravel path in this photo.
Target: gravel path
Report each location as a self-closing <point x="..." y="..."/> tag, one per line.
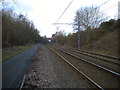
<point x="49" y="71"/>
<point x="14" y="69"/>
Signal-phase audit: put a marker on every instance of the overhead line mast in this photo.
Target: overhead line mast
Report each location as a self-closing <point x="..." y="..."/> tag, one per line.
<point x="77" y="19"/>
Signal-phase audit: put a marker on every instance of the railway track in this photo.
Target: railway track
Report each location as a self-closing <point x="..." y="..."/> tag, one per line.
<point x="102" y="55"/>
<point x="97" y="75"/>
<point x="91" y="61"/>
<point x="106" y="61"/>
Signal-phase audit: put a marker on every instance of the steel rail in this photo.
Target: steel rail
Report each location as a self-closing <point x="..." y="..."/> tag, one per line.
<point x="21" y="86"/>
<point x="103" y="55"/>
<point x="90" y="55"/>
<point x="89" y="79"/>
<point x="98" y="66"/>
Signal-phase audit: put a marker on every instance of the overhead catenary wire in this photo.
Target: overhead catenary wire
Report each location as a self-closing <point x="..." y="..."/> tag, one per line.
<point x="64" y="11"/>
<point x="78" y="24"/>
<point x="63" y="23"/>
<point x="69" y="5"/>
<point x="103" y="3"/>
<point x="99" y="6"/>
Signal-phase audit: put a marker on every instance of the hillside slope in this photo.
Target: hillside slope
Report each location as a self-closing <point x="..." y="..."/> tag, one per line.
<point x="108" y="44"/>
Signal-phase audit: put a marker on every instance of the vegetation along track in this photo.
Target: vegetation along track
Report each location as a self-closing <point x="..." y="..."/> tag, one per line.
<point x="97" y="75"/>
<point x="110" y="62"/>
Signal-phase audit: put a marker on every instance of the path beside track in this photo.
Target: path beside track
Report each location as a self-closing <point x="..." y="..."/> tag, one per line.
<point x="14" y="69"/>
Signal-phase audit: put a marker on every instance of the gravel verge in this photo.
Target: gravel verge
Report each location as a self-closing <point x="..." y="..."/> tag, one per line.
<point x="49" y="71"/>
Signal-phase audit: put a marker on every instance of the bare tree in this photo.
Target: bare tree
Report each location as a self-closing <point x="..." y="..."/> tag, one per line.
<point x="88" y="17"/>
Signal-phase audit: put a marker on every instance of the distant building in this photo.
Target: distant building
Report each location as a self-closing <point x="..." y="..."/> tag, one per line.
<point x="119" y="10"/>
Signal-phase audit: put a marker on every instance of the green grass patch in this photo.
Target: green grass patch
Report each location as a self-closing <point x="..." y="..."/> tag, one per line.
<point x="9" y="52"/>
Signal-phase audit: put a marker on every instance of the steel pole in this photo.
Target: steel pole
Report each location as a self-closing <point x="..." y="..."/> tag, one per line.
<point x="78" y="36"/>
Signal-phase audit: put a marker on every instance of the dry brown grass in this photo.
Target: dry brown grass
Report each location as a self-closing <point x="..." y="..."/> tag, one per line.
<point x="108" y="44"/>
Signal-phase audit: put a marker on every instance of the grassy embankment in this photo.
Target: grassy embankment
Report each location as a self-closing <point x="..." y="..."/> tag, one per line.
<point x="108" y="44"/>
<point x="99" y="41"/>
<point x="9" y="52"/>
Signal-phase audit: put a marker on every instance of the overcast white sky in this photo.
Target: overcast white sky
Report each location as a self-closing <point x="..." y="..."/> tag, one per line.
<point x="45" y="12"/>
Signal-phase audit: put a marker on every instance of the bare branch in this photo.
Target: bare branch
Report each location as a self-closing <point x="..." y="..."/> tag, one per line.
<point x="89" y="17"/>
